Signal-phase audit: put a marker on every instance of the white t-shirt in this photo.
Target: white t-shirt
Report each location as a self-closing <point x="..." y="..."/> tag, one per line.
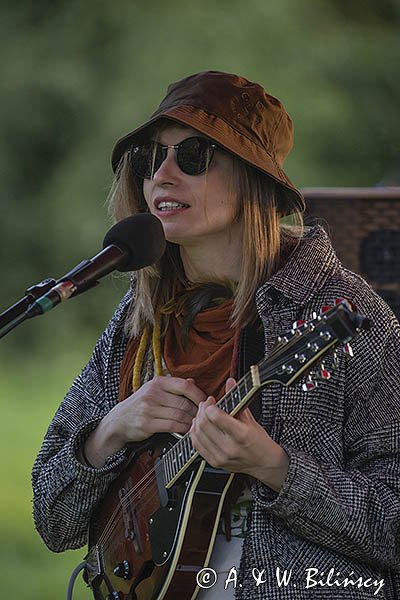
<point x="226" y="554"/>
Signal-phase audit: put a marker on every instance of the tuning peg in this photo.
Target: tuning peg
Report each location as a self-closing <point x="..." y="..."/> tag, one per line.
<point x="324" y="374"/>
<point x="348" y="349"/>
<point x="309" y="385"/>
<point x="296" y="327"/>
<point x="335" y="359"/>
<point x="325" y="309"/>
<point x="298" y="323"/>
<point x="348" y="303"/>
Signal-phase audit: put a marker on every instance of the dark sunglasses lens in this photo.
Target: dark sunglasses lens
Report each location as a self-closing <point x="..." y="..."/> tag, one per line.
<point x="194" y="155"/>
<point x="146" y="159"/>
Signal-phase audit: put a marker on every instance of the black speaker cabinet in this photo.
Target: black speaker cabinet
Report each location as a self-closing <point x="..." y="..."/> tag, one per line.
<point x="364" y="226"/>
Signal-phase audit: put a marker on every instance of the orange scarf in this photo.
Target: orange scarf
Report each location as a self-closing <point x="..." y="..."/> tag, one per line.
<point x="209" y="357"/>
<point x="209" y="350"/>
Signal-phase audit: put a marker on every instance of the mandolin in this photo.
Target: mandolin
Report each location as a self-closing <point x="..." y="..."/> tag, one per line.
<point x="155" y="529"/>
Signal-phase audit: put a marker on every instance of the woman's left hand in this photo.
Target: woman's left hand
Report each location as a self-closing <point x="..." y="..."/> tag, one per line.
<point x="238" y="444"/>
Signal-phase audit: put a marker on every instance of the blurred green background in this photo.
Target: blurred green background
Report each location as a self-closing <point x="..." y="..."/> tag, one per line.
<point x="75" y="76"/>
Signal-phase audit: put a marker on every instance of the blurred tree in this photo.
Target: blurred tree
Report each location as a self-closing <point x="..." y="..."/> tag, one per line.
<point x="369" y="11"/>
<point x="78" y="75"/>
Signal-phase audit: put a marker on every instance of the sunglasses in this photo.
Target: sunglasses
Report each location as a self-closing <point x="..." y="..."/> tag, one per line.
<point x="193" y="156"/>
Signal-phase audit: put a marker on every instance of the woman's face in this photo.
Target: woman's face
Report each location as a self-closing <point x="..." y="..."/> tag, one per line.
<point x="209" y="204"/>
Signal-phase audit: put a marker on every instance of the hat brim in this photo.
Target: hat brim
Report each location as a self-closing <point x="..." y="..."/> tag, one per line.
<point x="225" y="136"/>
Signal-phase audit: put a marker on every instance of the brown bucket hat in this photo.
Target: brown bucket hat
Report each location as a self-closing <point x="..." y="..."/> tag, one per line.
<point x="235" y="113"/>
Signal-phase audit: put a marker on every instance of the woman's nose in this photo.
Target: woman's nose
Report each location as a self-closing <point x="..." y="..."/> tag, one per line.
<point x="169" y="168"/>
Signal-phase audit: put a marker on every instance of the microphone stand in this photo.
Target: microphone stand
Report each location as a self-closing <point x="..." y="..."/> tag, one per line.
<point x="25" y="308"/>
<point x="14" y="315"/>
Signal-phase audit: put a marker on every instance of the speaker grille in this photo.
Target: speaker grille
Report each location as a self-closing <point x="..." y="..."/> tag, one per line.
<point x="380" y="256"/>
<point x="364" y="226"/>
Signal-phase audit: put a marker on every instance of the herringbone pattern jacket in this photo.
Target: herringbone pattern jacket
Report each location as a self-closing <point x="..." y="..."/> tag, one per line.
<point x="339" y="507"/>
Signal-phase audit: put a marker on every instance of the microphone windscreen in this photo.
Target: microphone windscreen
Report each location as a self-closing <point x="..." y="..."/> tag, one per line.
<point x="141" y="236"/>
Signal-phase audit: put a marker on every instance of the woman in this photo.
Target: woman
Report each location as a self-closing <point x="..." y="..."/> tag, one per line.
<point x="324" y="508"/>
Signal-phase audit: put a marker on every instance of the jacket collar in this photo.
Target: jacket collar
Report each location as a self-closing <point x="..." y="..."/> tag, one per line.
<point x="311" y="264"/>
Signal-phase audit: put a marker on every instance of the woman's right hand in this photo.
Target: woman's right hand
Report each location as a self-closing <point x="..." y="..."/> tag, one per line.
<point x="164" y="404"/>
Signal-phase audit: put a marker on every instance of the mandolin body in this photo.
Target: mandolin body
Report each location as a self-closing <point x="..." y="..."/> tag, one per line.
<point x="148" y="542"/>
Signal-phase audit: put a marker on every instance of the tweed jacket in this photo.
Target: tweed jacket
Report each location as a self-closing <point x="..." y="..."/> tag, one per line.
<point x="332" y="531"/>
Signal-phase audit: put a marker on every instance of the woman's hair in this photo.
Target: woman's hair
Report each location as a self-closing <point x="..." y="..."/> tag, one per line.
<point x="266" y="242"/>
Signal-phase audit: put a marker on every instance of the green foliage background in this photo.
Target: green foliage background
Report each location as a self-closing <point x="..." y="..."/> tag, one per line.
<point x="77" y="75"/>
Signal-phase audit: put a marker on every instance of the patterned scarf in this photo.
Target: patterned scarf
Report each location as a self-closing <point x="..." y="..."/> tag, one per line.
<point x="199" y="341"/>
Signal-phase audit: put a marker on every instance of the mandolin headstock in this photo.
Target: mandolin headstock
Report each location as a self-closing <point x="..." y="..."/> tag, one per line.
<point x="308" y="342"/>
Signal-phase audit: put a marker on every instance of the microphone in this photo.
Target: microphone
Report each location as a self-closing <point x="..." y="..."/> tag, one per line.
<point x="130" y="245"/>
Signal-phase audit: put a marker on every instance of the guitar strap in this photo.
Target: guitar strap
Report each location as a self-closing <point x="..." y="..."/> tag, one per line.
<point x="251" y="351"/>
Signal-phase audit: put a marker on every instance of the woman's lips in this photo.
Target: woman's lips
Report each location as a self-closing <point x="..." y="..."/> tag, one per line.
<point x="170" y="205"/>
